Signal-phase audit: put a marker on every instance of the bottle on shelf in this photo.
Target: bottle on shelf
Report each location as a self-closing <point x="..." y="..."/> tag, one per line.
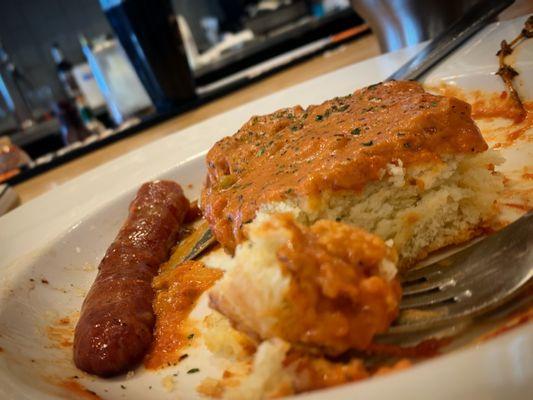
<point x="64" y="72"/>
<point x="73" y="128"/>
<point x="89" y="124"/>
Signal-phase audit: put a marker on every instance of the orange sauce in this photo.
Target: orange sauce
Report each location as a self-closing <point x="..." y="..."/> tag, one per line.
<point x="312" y="373"/>
<point x="424" y="349"/>
<point x="484" y="105"/>
<point x="341" y="144"/>
<point x="318" y="373"/>
<point x="518" y="206"/>
<point x="495" y="106"/>
<point x="400" y="365"/>
<point x="79" y="390"/>
<point x="489" y="106"/>
<point x="338" y="298"/>
<point x="177" y="291"/>
<point x="61" y="332"/>
<point x="518" y="130"/>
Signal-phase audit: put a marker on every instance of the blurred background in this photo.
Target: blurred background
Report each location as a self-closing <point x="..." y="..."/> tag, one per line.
<point x="77" y="75"/>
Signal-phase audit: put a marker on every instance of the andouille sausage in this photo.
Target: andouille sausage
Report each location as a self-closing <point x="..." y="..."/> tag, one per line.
<point x="115" y="326"/>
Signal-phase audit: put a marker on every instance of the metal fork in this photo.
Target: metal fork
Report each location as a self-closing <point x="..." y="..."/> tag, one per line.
<point x="471" y="282"/>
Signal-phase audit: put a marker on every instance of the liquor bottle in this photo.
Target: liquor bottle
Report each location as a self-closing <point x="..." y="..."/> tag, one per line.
<point x="73" y="128"/>
<point x="64" y="72"/>
<point x="75" y="98"/>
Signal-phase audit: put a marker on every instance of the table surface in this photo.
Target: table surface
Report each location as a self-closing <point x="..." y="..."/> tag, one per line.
<point x="360" y="49"/>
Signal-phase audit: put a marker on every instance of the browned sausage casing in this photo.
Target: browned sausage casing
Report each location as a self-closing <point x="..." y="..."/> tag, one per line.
<point x="115" y="326"/>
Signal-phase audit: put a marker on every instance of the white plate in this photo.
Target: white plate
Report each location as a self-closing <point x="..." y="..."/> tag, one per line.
<point x="61" y="236"/>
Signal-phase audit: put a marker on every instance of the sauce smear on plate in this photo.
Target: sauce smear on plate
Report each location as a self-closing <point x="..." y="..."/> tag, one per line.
<point x="177" y="291"/>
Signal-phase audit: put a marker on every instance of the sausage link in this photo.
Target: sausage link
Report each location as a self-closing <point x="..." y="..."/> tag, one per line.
<point x="115" y="326"/>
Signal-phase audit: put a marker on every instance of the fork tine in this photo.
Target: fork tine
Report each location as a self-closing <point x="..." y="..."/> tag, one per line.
<point x="452" y="276"/>
<point x="463" y="266"/>
<point x="436" y="268"/>
<point x="468" y="264"/>
<point x="475" y="278"/>
<point x="480" y="278"/>
<point x="430" y="299"/>
<point x="427" y="286"/>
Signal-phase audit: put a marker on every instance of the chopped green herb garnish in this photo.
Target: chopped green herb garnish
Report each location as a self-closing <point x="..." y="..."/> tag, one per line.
<point x="193" y="370"/>
<point x="356" y="131"/>
<point x="319" y="117"/>
<point x="434" y="103"/>
<point x="227" y="181"/>
<point x="261" y="152"/>
<point x="367" y="144"/>
<point x="190" y="336"/>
